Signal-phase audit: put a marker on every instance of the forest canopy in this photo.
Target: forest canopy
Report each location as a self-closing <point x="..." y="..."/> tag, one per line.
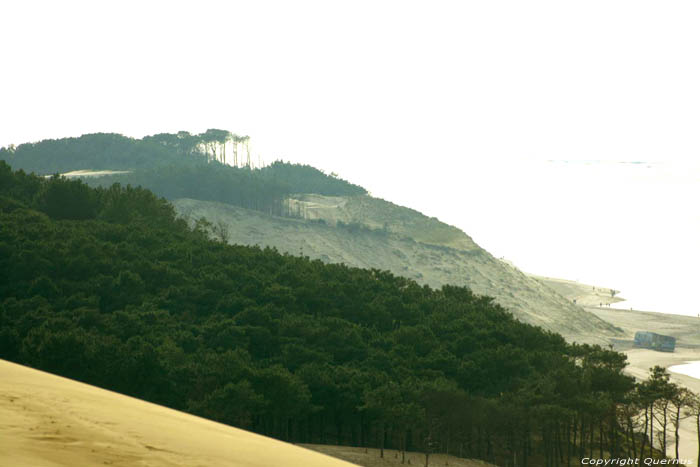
<point x="107" y="286"/>
<point x="181" y="165"/>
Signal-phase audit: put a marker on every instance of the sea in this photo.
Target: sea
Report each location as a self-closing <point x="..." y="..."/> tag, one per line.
<point x="691" y="369"/>
<point x="633" y="226"/>
<point x="649" y="229"/>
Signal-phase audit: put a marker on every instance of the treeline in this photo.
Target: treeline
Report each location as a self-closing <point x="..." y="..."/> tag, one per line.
<point x="659" y="403"/>
<point x="236" y="186"/>
<point x="117" y="152"/>
<point x="98" y="151"/>
<point x="265" y="189"/>
<point x="180" y="165"/>
<point x="107" y="286"/>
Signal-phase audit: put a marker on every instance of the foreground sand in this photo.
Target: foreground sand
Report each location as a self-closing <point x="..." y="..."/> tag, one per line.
<point x="49" y="421"/>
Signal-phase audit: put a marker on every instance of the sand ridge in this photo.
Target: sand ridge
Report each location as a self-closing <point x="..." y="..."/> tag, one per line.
<point x="50" y="421"/>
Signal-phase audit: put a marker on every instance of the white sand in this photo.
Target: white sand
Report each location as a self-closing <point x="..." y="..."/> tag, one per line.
<point x="94" y="173"/>
<point x="49" y="421"/>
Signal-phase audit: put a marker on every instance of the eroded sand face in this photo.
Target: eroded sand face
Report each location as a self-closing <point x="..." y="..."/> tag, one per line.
<point x="49" y="421"/>
<point x="408" y="244"/>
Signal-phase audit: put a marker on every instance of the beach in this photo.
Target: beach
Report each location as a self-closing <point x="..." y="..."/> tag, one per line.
<point x="685" y="329"/>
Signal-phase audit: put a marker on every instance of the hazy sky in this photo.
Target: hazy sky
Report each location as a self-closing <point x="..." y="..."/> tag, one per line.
<point x="434" y="105"/>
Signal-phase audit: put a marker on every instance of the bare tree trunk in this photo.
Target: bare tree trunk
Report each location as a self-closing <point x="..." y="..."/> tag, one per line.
<point x="651" y="430"/>
<point x="568" y="442"/>
<point x="697" y="427"/>
<point x="631" y="432"/>
<point x="559" y="450"/>
<point x="447" y="443"/>
<point x="582" y="447"/>
<point x="664" y="426"/>
<point x="383" y="435"/>
<point x="403" y="447"/>
<point x="613" y="435"/>
<point x="646" y="430"/>
<point x="678" y="425"/>
<point x="478" y="443"/>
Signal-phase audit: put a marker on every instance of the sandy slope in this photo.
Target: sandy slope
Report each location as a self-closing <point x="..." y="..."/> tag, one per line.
<point x="49" y="421"/>
<point x="408" y="244"/>
<point x="377" y="213"/>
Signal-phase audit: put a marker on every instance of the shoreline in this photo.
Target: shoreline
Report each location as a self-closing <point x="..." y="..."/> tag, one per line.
<point x="640" y="361"/>
<point x="686" y="330"/>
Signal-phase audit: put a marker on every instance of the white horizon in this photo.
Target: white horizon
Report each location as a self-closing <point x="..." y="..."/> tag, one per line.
<point x="444" y="107"/>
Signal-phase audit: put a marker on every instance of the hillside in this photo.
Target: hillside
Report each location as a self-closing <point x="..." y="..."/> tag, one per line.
<point x="340" y="223"/>
<point x="367" y="232"/>
<point x="109" y="287"/>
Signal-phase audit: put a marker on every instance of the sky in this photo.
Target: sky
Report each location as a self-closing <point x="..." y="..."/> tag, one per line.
<point x="510" y="120"/>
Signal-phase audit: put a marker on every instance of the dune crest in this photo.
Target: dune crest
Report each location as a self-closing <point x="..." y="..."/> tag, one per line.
<point x="49" y="421"/>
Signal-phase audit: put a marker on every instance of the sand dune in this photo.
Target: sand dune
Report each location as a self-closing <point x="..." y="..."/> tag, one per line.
<point x="408" y="244"/>
<point x="49" y="421"/>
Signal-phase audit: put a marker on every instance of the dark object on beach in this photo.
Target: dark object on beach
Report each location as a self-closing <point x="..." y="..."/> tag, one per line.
<point x="651" y="340"/>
